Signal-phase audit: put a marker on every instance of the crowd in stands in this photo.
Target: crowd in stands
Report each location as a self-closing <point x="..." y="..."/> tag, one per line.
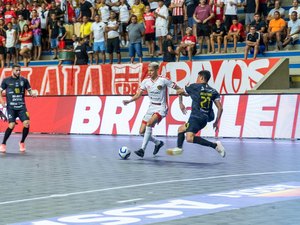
<point x="176" y="27"/>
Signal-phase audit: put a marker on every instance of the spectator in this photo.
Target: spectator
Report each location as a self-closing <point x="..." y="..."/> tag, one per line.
<point x="293" y="29"/>
<point x="85" y="28"/>
<point x="138" y="9"/>
<point x="202" y="15"/>
<point x="251" y="7"/>
<point x="236" y="33"/>
<point x="187" y="45"/>
<point x="217" y="9"/>
<point x="189" y="9"/>
<point x="277" y="7"/>
<point x="16" y="27"/>
<point x="161" y="23"/>
<point x="86" y="9"/>
<point x="56" y="11"/>
<point x="169" y="49"/>
<point x="81" y="56"/>
<point x="2" y="50"/>
<point x="43" y="15"/>
<point x="276" y="31"/>
<point x="23" y="11"/>
<point x="177" y="17"/>
<point x="149" y="21"/>
<point x="259" y="24"/>
<point x="11" y="39"/>
<point x="9" y="13"/>
<point x="53" y="34"/>
<point x="98" y="33"/>
<point x="263" y="9"/>
<point x="37" y="35"/>
<point x="104" y="11"/>
<point x="25" y="38"/>
<point x="231" y="7"/>
<point x="294" y="8"/>
<point x="89" y="48"/>
<point x="252" y="42"/>
<point x="135" y="34"/>
<point x="113" y="41"/>
<point x="218" y="33"/>
<point x="124" y="18"/>
<point x="114" y="5"/>
<point x="21" y="22"/>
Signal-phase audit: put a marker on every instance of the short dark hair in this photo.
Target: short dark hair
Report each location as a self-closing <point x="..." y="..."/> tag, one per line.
<point x="15" y="66"/>
<point x="205" y="74"/>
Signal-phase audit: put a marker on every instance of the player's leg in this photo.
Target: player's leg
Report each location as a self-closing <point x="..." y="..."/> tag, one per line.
<point x="180" y="139"/>
<point x="24" y="117"/>
<point x="148" y="133"/>
<point x="8" y="131"/>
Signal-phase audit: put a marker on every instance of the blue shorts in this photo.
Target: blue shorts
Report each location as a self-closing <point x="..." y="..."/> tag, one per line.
<point x="135" y="48"/>
<point x="54" y="43"/>
<point x="261" y="49"/>
<point x="196" y="124"/>
<point x="37" y="40"/>
<point x="191" y="22"/>
<point x="99" y="46"/>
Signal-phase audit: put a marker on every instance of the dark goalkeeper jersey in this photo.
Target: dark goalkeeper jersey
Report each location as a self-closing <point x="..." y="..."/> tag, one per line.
<point x="203" y="97"/>
<point x="15" y="91"/>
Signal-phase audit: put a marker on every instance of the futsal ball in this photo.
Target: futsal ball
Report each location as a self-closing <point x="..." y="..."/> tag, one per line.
<point x="124" y="152"/>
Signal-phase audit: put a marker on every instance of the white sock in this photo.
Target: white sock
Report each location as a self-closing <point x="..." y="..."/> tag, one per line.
<point x="147" y="136"/>
<point x="153" y="139"/>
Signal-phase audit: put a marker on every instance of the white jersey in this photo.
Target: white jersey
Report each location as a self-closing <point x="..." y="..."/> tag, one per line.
<point x="157" y="89"/>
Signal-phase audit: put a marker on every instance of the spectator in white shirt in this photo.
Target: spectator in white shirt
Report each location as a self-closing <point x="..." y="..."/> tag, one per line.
<point x="161" y="24"/>
<point x="98" y="34"/>
<point x="231" y="7"/>
<point x="277" y="7"/>
<point x="11" y="39"/>
<point x="293" y="30"/>
<point x="294" y="8"/>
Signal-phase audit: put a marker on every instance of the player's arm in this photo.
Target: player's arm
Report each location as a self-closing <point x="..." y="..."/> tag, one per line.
<point x="219" y="113"/>
<point x="135" y="97"/>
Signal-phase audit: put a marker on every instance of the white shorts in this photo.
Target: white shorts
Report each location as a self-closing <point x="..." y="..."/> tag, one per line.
<point x="160" y="110"/>
<point x="295" y="37"/>
<point x="27" y="45"/>
<point x="161" y="31"/>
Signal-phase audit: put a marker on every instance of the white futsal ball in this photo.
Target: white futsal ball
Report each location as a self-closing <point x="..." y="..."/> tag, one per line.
<point x="124" y="152"/>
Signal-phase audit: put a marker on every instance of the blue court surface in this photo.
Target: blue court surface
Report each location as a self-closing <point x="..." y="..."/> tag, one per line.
<point x="80" y="179"/>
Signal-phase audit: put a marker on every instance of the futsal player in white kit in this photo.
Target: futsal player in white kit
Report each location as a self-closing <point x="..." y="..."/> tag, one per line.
<point x="157" y="89"/>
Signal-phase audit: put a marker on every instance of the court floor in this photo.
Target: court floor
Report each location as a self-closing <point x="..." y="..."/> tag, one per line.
<point x="80" y="179"/>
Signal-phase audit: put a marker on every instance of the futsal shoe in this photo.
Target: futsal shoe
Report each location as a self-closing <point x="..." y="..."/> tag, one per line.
<point x="2" y="148"/>
<point x="220" y="149"/>
<point x="22" y="147"/>
<point x="157" y="147"/>
<point x="174" y="151"/>
<point x="140" y="152"/>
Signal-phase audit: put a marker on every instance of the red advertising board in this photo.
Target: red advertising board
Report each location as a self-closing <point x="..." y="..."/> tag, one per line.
<point x="244" y="116"/>
<point x="228" y="76"/>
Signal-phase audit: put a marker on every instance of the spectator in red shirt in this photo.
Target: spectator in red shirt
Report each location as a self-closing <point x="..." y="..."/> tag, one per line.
<point x="25" y="38"/>
<point x="149" y="22"/>
<point x="236" y="33"/>
<point x="187" y="45"/>
<point x="9" y="13"/>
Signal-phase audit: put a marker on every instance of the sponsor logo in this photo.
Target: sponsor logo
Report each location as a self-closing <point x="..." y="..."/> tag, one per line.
<point x="180" y="208"/>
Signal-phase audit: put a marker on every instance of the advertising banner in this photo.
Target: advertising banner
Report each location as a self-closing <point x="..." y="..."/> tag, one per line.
<point x="244" y="116"/>
<point x="228" y="76"/>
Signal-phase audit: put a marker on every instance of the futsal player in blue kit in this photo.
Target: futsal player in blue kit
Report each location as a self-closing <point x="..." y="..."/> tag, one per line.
<point x="203" y="96"/>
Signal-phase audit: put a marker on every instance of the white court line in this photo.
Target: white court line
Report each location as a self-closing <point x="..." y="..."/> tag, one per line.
<point x="145" y="184"/>
<point x="130" y="200"/>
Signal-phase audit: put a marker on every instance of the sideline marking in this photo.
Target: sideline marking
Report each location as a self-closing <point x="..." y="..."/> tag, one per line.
<point x="144" y="184"/>
<point x="130" y="200"/>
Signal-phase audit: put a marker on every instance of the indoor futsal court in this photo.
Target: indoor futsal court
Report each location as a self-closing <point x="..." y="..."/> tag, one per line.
<point x="80" y="179"/>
